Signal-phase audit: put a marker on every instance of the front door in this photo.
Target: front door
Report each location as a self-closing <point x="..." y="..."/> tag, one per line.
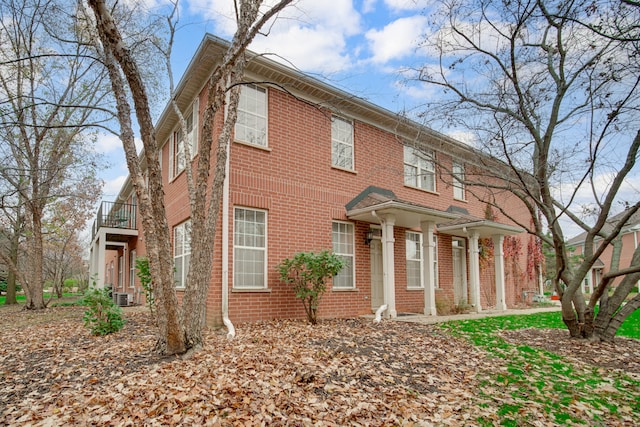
<point x="459" y="273"/>
<point x="377" y="281"/>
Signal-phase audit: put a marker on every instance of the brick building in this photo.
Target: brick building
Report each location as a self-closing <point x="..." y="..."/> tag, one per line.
<point x="311" y="168"/>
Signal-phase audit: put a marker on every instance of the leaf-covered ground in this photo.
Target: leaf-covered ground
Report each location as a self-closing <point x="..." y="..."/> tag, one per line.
<point x="340" y="372"/>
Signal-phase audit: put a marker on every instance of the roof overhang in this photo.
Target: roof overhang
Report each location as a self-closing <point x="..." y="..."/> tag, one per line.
<point x="484" y="228"/>
<point x="406" y="214"/>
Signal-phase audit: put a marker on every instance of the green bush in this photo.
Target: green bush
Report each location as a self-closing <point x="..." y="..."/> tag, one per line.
<point x="144" y="274"/>
<point x="102" y="316"/>
<point x="308" y="272"/>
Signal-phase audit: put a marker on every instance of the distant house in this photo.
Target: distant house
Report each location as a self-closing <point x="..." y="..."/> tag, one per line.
<point x="311" y="168"/>
<point x="630" y="236"/>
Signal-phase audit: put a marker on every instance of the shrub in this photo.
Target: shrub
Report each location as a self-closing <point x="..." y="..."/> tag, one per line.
<point x="102" y="316"/>
<point x="144" y="274"/>
<point x="308" y="272"/>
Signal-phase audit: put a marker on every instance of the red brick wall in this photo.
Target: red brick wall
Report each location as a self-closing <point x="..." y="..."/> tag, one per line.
<point x="294" y="182"/>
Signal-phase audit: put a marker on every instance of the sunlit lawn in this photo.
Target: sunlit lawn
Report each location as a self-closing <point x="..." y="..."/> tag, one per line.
<point x="537" y="377"/>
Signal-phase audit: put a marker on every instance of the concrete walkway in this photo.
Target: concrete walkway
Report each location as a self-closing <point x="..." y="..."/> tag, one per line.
<point x="421" y="318"/>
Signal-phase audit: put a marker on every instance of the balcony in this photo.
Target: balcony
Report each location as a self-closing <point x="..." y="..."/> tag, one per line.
<point x="115" y="215"/>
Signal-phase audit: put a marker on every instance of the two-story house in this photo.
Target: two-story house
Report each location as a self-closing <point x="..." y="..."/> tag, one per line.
<point x="312" y="167"/>
<point x="629" y="238"/>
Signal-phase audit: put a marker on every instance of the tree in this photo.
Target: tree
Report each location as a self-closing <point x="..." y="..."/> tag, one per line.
<point x="551" y="89"/>
<point x="179" y="331"/>
<point x="50" y="87"/>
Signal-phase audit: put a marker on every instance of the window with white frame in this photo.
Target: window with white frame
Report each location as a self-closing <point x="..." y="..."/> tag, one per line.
<point x="177" y="152"/>
<point x="341" y="143"/>
<point x="414" y="260"/>
<point x="458" y="180"/>
<point x="343" y="246"/>
<point x="419" y="169"/>
<point x="181" y="252"/>
<point x="251" y="124"/>
<point x="132" y="268"/>
<point x="120" y="268"/>
<point x="249" y="248"/>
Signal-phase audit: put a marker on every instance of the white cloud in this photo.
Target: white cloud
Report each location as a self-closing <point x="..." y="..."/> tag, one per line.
<point x="311" y="34"/>
<point x="112" y="187"/>
<point x="397" y="39"/>
<point x="403" y="5"/>
<point x="107" y="143"/>
<point x="368" y="6"/>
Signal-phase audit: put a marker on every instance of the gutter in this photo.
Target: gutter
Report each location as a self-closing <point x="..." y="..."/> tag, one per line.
<point x="225" y="249"/>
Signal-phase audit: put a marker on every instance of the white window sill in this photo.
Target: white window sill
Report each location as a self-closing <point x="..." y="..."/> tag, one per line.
<point x="333" y="289"/>
<point x="344" y="169"/>
<point x="248" y="144"/>
<point x="422" y="189"/>
<point x="251" y="290"/>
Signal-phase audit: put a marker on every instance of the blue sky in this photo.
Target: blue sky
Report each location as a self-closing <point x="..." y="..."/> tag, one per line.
<point x="358" y="46"/>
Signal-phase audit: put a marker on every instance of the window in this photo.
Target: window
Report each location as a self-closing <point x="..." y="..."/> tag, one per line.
<point x="414" y="260"/>
<point x="120" y="268"/>
<point x="249" y="248"/>
<point x="458" y="180"/>
<point x="341" y="143"/>
<point x="181" y="252"/>
<point x="132" y="268"/>
<point x="177" y="151"/>
<point x="419" y="170"/>
<point x="251" y="124"/>
<point x="342" y="237"/>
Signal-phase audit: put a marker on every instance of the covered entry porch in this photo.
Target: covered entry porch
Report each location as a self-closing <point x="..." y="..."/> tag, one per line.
<point x="383" y="210"/>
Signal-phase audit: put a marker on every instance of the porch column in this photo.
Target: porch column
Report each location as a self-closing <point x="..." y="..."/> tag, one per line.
<point x="98" y="253"/>
<point x="428" y="251"/>
<point x="498" y="256"/>
<point x="474" y="270"/>
<point x="388" y="261"/>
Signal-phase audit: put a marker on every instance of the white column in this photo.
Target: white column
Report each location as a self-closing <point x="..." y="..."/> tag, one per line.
<point x="428" y="254"/>
<point x="388" y="261"/>
<point x="99" y="278"/>
<point x="474" y="270"/>
<point x="498" y="256"/>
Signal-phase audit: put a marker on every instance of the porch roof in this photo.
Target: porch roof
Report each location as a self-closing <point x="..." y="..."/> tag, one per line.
<point x="462" y="226"/>
<point x="373" y="202"/>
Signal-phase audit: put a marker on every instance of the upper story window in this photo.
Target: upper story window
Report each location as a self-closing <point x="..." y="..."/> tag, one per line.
<point x="414" y="260"/>
<point x="458" y="180"/>
<point x="181" y="252"/>
<point x="251" y="124"/>
<point x="177" y="152"/>
<point x="342" y="237"/>
<point x="341" y="143"/>
<point x="249" y="249"/>
<point x="419" y="169"/>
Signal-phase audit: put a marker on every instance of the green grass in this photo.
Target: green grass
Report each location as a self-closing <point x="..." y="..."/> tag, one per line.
<point x="532" y="377"/>
<point x="21" y="298"/>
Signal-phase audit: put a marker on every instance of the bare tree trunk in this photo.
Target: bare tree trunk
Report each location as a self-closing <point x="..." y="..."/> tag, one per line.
<point x="14" y="246"/>
<point x="608" y="333"/>
<point x="34" y="289"/>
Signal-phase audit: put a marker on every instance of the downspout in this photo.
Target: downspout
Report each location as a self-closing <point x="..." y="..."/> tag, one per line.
<point x="383" y="307"/>
<point x="225" y="250"/>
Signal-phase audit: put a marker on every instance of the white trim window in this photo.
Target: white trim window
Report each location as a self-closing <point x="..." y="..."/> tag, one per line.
<point x="343" y="245"/>
<point x="419" y="169"/>
<point x="341" y="143"/>
<point x="132" y="268"/>
<point x="458" y="180"/>
<point x="181" y="252"/>
<point x="249" y="249"/>
<point x="176" y="148"/>
<point x="121" y="272"/>
<point x="414" y="260"/>
<point x="251" y="124"/>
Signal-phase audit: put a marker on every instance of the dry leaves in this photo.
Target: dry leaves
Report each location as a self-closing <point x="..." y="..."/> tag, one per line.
<point x="339" y="372"/>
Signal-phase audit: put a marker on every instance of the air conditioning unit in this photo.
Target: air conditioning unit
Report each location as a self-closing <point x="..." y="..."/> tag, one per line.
<point x="122" y="300"/>
<point x="115" y="295"/>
